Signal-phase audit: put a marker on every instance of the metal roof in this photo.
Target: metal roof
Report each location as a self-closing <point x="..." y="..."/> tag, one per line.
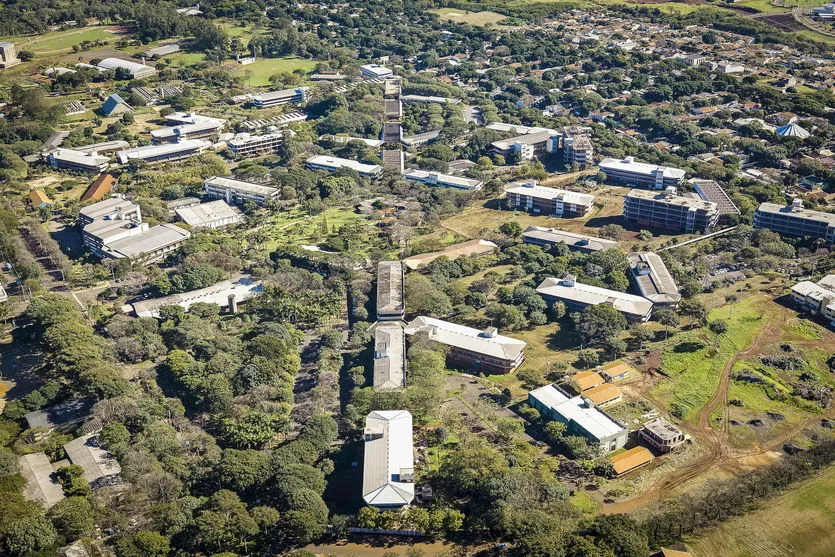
<point x="589" y="418"/>
<point x="389" y="355"/>
<point x="468" y="338"/>
<point x="652" y="278"/>
<point x="388" y="455"/>
<point x="593" y="295"/>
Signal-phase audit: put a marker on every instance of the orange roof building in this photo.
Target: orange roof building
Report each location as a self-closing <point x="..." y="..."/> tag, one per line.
<point x="587" y="379"/>
<point x="630" y="460"/>
<point x="39" y="198"/>
<point x="100" y="187"/>
<point x="604" y="394"/>
<point x="615" y="371"/>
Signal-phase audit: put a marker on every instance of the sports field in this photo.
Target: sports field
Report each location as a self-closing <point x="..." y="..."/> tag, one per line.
<point x="259" y="72"/>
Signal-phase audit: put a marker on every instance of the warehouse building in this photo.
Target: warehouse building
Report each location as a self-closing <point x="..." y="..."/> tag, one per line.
<point x="238" y="191"/>
<point x="578" y="296"/>
<point x="98" y="464"/>
<point x="653" y="281"/>
<point x="191" y="126"/>
<point x="795" y="220"/>
<point x="389" y="356"/>
<point x="542" y="236"/>
<point x="390" y="291"/>
<point x="214" y="214"/>
<point x="580" y="417"/>
<point x="652" y="176"/>
<point x="471" y="348"/>
<point x="554" y="202"/>
<point x="137" y="71"/>
<point x="324" y="162"/>
<point x="388" y="474"/>
<point x="442" y="180"/>
<point x="669" y="211"/>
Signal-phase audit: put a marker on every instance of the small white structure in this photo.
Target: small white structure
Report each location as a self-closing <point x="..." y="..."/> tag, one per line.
<point x="389" y="468"/>
<point x="324" y="162"/>
<point x="375" y="70"/>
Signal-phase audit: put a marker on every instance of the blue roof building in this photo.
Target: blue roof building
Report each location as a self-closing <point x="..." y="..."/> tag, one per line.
<point x="115" y="105"/>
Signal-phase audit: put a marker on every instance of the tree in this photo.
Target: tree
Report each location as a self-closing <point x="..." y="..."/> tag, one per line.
<point x="612" y="232"/>
<point x="730" y="299"/>
<point x="424" y="298"/>
<point x="668" y="318"/>
<point x="695" y="310"/>
<point x="720" y="327"/>
<point x="614" y="347"/>
<point x="597" y="323"/>
<point x="642" y="333"/>
<point x="511" y="228"/>
<point x="509" y="429"/>
<point x="29" y="533"/>
<point x="72" y="517"/>
<point x="144" y="543"/>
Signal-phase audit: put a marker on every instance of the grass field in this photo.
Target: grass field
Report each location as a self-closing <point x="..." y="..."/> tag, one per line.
<point x="261" y="70"/>
<point x="63" y="40"/>
<point x="695" y="359"/>
<point x="797" y="523"/>
<point x="473" y="18"/>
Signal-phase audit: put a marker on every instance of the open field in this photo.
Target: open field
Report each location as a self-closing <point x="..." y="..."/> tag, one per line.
<point x="473" y="18"/>
<point x="796" y="523"/>
<point x="50" y="43"/>
<point x="260" y="71"/>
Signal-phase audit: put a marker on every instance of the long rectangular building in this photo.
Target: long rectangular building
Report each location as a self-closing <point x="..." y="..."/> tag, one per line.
<point x="472" y="348"/>
<point x="71" y="159"/>
<point x="669" y="211"/>
<point x="214" y="214"/>
<point x="246" y="145"/>
<point x="238" y="191"/>
<point x="277" y="98"/>
<point x="795" y="220"/>
<point x="528" y="145"/>
<point x="578" y="296"/>
<point x="580" y="416"/>
<point x="652" y="176"/>
<point x="710" y="190"/>
<point x="818" y="298"/>
<point x="167" y="152"/>
<point x="554" y="202"/>
<point x="390" y="293"/>
<point x="190" y="126"/>
<point x="389" y="356"/>
<point x="442" y="180"/>
<point x="324" y="162"/>
<point x="542" y="236"/>
<point x="652" y="279"/>
<point x="388" y="472"/>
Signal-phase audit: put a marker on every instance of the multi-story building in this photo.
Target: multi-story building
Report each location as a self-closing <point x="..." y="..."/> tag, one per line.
<point x="388" y="474"/>
<point x="70" y="159"/>
<point x="542" y="236"/>
<point x="166" y="152"/>
<point x="393" y="109"/>
<point x="238" y="191"/>
<point x="246" y="145"/>
<point x="278" y="98"/>
<point x="796" y="220"/>
<point x="389" y="356"/>
<point x="214" y="214"/>
<point x="194" y="126"/>
<point x="325" y="162"/>
<point x="390" y="295"/>
<point x="534" y="198"/>
<point x="393" y="158"/>
<point x="669" y="211"/>
<point x="471" y="348"/>
<point x="652" y="279"/>
<point x="652" y="176"/>
<point x="529" y="145"/>
<point x="580" y="416"/>
<point x="375" y="71"/>
<point x="662" y="435"/>
<point x="8" y="55"/>
<point x="710" y="190"/>
<point x="577" y="147"/>
<point x="578" y="296"/>
<point x="392" y="132"/>
<point x="817" y="298"/>
<point x="442" y="180"/>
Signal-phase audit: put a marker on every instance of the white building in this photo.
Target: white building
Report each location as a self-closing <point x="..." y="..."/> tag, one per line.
<point x="375" y="70"/>
<point x="238" y="191"/>
<point x="166" y="152"/>
<point x="389" y="355"/>
<point x="41" y="482"/>
<point x="542" y="236"/>
<point x="529" y="196"/>
<point x="239" y="290"/>
<point x="442" y="180"/>
<point x="796" y="220"/>
<point x="578" y="296"/>
<point x="388" y="473"/>
<point x="246" y="145"/>
<point x="278" y="98"/>
<point x="653" y="176"/>
<point x="97" y="463"/>
<point x="193" y="126"/>
<point x="325" y="162"/>
<point x="818" y="298"/>
<point x="137" y="71"/>
<point x="214" y="214"/>
<point x="529" y="145"/>
<point x="8" y="55"/>
<point x="72" y="159"/>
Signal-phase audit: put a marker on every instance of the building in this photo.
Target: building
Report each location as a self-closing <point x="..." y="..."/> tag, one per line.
<point x="817" y="298"/>
<point x="195" y="127"/>
<point x="159" y="51"/>
<point x="167" y="152"/>
<point x="393" y="109"/>
<point x="246" y="145"/>
<point x="238" y="191"/>
<point x="8" y="55"/>
<point x="529" y="145"/>
<point x="587" y="379"/>
<point x="470" y="248"/>
<point x="236" y="290"/>
<point x="669" y="211"/>
<point x="442" y="180"/>
<point x="614" y="371"/>
<point x="137" y="71"/>
<point x="278" y="98"/>
<point x="472" y="348"/>
<point x="420" y="139"/>
<point x="580" y="417"/>
<point x="392" y="132"/>
<point x="391" y="88"/>
<point x="652" y="280"/>
<point x="42" y="484"/>
<point x="148" y="246"/>
<point x="795" y="220"/>
<point x="542" y="236"/>
<point x="825" y="12"/>
<point x="429" y="99"/>
<point x="388" y="474"/>
<point x="101" y="186"/>
<point x="344" y="140"/>
<point x="393" y="158"/>
<point x="214" y="214"/>
<point x="577" y="147"/>
<point x="39" y="199"/>
<point x="710" y="190"/>
<point x="98" y="464"/>
<point x="390" y="291"/>
<point x="389" y="356"/>
<point x="71" y="159"/>
<point x="729" y="67"/>
<point x="104" y="147"/>
<point x="792" y="130"/>
<point x="630" y="460"/>
<point x="62" y="417"/>
<point x="375" y="71"/>
<point x="324" y="162"/>
<point x="554" y="202"/>
<point x="662" y="435"/>
<point x="640" y="174"/>
<point x="603" y="395"/>
<point x="115" y="105"/>
<point x="578" y="296"/>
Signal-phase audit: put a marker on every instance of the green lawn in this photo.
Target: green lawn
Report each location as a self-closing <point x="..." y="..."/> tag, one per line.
<point x="473" y="18"/>
<point x="694" y="360"/>
<point x="261" y="70"/>
<point x="62" y="40"/>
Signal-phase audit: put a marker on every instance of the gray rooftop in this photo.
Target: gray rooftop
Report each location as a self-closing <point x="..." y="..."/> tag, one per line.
<point x="798" y="212"/>
<point x="571" y="239"/>
<point x="205" y="214"/>
<point x="468" y="338"/>
<point x="41" y="482"/>
<point x="671" y="199"/>
<point x="65" y="413"/>
<point x="389" y="286"/>
<point x="155" y="238"/>
<point x="662" y="429"/>
<point x="97" y="463"/>
<point x="652" y="278"/>
<point x="594" y="421"/>
<point x="389" y="453"/>
<point x="389" y="355"/>
<point x="240" y="185"/>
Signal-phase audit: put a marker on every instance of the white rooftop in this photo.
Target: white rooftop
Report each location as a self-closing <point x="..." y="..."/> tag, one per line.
<point x="388" y="454"/>
<point x="594" y="295"/>
<point x="542" y="192"/>
<point x="86" y="452"/>
<point x="629" y="164"/>
<point x="243" y="288"/>
<point x="41" y="482"/>
<point x="519" y="129"/>
<point x="468" y="338"/>
<point x="571" y="239"/>
<point x="336" y="162"/>
<point x="240" y="185"/>
<point x="153" y="239"/>
<point x="442" y="179"/>
<point x="206" y="213"/>
<point x="389" y="356"/>
<point x="590" y="418"/>
<point x="79" y="157"/>
<point x="150" y="151"/>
